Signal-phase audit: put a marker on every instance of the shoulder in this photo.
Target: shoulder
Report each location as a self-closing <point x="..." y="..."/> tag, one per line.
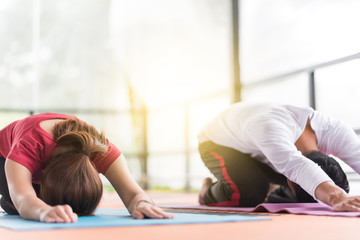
<point x="34" y="120"/>
<point x="322" y="122"/>
<point x="103" y="162"/>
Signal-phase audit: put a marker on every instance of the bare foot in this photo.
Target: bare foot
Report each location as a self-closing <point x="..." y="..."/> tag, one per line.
<point x="272" y="188"/>
<point x="206" y="184"/>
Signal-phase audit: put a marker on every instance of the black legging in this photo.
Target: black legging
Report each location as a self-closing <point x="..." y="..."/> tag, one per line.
<point x="241" y="180"/>
<point x="5" y="201"/>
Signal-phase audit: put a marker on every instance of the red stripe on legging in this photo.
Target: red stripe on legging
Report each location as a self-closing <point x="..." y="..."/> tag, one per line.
<point x="236" y="194"/>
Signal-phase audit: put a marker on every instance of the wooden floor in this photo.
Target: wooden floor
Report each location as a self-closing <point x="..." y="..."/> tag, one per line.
<point x="281" y="226"/>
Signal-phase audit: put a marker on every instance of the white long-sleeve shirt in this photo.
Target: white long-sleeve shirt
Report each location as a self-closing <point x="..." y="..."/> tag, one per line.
<point x="268" y="133"/>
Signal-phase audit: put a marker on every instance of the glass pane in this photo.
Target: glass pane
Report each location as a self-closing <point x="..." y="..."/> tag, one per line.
<point x="166" y="130"/>
<point x="337" y="92"/>
<point x="16" y="56"/>
<point x="167" y="170"/>
<point x="292" y="90"/>
<point x="281" y="35"/>
<point x="175" y="52"/>
<point x="78" y="68"/>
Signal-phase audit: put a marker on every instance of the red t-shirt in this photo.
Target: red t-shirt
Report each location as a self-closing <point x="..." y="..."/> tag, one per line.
<point x="26" y="143"/>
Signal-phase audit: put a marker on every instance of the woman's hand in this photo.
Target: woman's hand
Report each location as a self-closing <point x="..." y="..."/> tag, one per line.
<point x="145" y="209"/>
<point x="58" y="214"/>
<point x="134" y="198"/>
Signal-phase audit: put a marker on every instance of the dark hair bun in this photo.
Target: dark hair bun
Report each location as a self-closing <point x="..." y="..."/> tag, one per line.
<point x="331" y="167"/>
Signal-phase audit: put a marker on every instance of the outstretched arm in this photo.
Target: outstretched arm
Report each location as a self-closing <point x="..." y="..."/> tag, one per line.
<point x="25" y="200"/>
<point x="135" y="199"/>
<point x="341" y="141"/>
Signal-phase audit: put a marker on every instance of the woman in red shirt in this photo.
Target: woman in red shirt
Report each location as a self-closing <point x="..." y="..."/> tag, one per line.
<point x="49" y="170"/>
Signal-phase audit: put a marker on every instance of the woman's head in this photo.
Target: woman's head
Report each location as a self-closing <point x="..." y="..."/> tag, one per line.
<point x="70" y="177"/>
<point x="331" y="167"/>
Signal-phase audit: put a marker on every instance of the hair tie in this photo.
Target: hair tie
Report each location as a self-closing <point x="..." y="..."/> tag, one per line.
<point x="86" y="153"/>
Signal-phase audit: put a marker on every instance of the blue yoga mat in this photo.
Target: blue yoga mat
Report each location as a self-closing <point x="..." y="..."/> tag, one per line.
<point x="118" y="218"/>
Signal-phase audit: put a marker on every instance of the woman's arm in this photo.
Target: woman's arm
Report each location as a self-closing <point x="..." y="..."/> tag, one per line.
<point x="135" y="199"/>
<point x="25" y="200"/>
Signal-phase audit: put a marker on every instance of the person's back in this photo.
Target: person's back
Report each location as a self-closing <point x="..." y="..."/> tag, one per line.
<point x="242" y="125"/>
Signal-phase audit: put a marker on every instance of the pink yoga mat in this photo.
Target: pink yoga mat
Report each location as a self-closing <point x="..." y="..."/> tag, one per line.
<point x="294" y="208"/>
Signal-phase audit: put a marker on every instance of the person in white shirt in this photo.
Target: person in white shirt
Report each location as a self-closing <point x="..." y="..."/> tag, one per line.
<point x="250" y="146"/>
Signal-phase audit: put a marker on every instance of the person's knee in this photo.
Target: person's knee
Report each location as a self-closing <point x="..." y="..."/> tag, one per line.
<point x="8" y="206"/>
<point x="220" y="192"/>
<point x="244" y="195"/>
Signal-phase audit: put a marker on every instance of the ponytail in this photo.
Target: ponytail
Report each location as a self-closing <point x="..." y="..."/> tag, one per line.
<point x="70" y="177"/>
<point x="79" y="136"/>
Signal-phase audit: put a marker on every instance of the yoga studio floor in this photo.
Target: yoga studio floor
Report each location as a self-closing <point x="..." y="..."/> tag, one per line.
<point x="272" y="226"/>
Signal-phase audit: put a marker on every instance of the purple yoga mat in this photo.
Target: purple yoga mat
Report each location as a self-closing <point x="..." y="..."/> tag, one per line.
<point x="294" y="208"/>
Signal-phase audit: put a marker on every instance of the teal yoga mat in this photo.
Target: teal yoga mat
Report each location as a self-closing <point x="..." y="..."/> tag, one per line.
<point x="119" y="218"/>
